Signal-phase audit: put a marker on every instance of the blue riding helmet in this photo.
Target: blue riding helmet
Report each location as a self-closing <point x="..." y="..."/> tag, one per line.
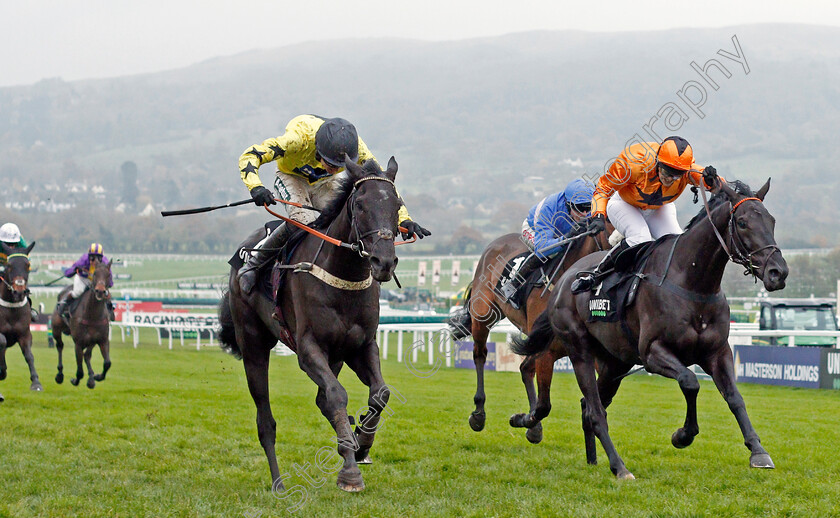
<point x="579" y="193"/>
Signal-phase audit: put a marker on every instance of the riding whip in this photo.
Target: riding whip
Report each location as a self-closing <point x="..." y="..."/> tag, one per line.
<point x="232" y="204"/>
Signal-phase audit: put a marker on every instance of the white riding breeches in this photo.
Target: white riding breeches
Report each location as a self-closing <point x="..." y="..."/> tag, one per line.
<point x="296" y="189"/>
<point x="640" y="226"/>
<point x="80" y="284"/>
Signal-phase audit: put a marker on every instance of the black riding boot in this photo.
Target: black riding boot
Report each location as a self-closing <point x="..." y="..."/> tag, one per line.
<point x="589" y="280"/>
<point x="63" y="307"/>
<point x="266" y="252"/>
<point x="508" y="289"/>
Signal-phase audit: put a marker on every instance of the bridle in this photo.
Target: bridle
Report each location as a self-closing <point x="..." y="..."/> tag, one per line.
<point x="381" y="233"/>
<point x="741" y="254"/>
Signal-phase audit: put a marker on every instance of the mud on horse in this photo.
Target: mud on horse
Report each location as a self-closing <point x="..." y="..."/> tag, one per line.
<point x="680" y="317"/>
<point x="330" y="304"/>
<point x="15" y="314"/>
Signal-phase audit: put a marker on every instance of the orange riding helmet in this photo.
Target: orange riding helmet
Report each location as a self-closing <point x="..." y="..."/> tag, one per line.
<point x="675" y="153"/>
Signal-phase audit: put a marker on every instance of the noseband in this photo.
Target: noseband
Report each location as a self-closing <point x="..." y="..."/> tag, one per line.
<point x="381" y="233"/>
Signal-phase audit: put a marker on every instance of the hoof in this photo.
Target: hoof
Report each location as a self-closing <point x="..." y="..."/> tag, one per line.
<point x="99" y="377"/>
<point x="2" y="375"/>
<point x="535" y="434"/>
<point x="90" y="383"/>
<point x="37" y="387"/>
<point x="59" y="378"/>
<point x="761" y="460"/>
<point x="2" y="398"/>
<point x="518" y="420"/>
<point x="74" y="382"/>
<point x="361" y="454"/>
<point x="477" y="421"/>
<point x="366" y="460"/>
<point x="625" y="475"/>
<point x="681" y="439"/>
<point x="350" y="480"/>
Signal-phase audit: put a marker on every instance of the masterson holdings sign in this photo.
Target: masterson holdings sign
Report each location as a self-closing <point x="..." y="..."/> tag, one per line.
<point x="769" y="365"/>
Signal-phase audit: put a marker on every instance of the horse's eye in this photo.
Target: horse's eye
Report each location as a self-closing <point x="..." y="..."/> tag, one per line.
<point x="742" y="223"/>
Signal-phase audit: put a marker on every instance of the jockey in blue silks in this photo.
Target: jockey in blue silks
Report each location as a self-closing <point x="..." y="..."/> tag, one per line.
<point x="548" y="224"/>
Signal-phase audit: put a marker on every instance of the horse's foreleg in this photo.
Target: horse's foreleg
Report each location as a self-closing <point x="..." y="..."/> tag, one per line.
<point x="26" y="349"/>
<point x="721" y="368"/>
<point x="483" y="316"/>
<point x="105" y="350"/>
<point x="91" y="382"/>
<point x="256" y="372"/>
<point x="314" y="363"/>
<point x="660" y="360"/>
<point x="609" y="379"/>
<point x="80" y="372"/>
<point x="59" y="347"/>
<point x="3" y="345"/>
<point x="366" y="366"/>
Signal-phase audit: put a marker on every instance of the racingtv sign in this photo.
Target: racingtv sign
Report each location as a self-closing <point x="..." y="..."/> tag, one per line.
<point x="788" y="366"/>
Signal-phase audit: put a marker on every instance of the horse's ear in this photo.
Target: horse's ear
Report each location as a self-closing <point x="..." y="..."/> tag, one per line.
<point x="354" y="169"/>
<point x="761" y="193"/>
<point x="729" y="192"/>
<point x="6" y="250"/>
<point x="391" y="171"/>
<point x="29" y="248"/>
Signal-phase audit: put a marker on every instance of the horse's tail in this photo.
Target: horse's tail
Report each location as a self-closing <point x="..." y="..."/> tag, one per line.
<point x="460" y="323"/>
<point x="538" y="341"/>
<point x="227" y="332"/>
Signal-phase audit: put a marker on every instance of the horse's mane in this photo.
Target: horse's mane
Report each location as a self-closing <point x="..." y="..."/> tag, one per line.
<point x="719" y="199"/>
<point x="342" y="192"/>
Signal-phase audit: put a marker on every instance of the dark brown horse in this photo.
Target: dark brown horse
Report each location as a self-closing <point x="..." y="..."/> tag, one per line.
<point x="15" y="315"/>
<point x="486" y="307"/>
<point x="88" y="326"/>
<point x="331" y="321"/>
<point x="680" y="317"/>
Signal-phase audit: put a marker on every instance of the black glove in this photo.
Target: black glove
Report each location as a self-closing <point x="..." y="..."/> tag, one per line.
<point x="413" y="229"/>
<point x="710" y="176"/>
<point x="597" y="224"/>
<point x="262" y="196"/>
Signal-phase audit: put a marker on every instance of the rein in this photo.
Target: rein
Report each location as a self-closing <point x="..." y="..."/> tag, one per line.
<point x="738" y="246"/>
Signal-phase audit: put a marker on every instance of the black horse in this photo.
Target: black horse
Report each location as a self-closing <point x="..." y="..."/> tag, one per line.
<point x="680" y="317"/>
<point x="88" y="326"/>
<point x="331" y="308"/>
<point x="15" y="315"/>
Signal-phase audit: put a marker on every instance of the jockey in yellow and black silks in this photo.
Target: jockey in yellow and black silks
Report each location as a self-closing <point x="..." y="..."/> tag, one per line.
<point x="309" y="158"/>
<point x="648" y="178"/>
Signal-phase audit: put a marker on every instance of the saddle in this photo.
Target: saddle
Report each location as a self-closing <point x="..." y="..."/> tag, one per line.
<point x="616" y="292"/>
<point x="535" y="279"/>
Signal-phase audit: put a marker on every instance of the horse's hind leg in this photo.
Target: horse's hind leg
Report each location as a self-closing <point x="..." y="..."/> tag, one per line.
<point x="255" y="361"/>
<point x="105" y="350"/>
<point x="26" y="349"/>
<point x="609" y="379"/>
<point x="542" y="366"/>
<point x="314" y="363"/>
<point x="594" y="412"/>
<point x="660" y="360"/>
<point x="91" y="382"/>
<point x="721" y="368"/>
<point x="59" y="347"/>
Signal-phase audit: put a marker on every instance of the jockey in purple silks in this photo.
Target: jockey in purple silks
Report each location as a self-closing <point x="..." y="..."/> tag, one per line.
<point x="81" y="272"/>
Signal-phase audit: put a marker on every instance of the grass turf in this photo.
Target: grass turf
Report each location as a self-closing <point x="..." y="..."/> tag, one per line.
<point x="172" y="433"/>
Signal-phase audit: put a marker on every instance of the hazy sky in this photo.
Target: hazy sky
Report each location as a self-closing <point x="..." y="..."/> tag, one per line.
<point x="79" y="39"/>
